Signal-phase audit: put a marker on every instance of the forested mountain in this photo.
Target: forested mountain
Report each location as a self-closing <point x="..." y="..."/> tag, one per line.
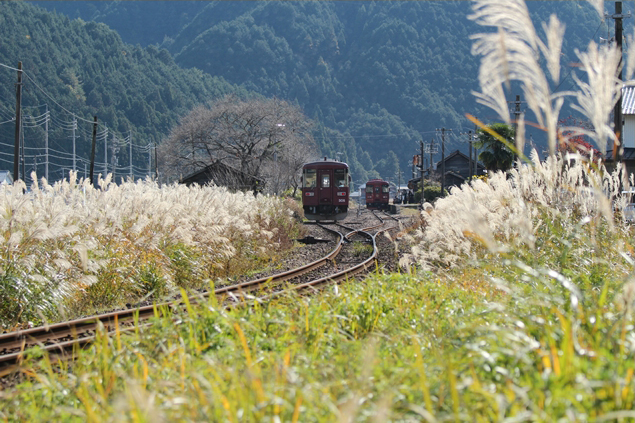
<point x="376" y="76"/>
<point x="84" y="68"/>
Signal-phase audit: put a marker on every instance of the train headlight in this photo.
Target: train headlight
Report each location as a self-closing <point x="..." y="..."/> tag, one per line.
<point x="342" y="194"/>
<point x="309" y="194"/>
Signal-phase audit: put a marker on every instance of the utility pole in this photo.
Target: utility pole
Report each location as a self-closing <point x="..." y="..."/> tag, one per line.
<point x="150" y="160"/>
<point x="113" y="156"/>
<point x="46" y="144"/>
<point x="421" y="173"/>
<point x="618" y="146"/>
<point x="516" y="117"/>
<point x="443" y="131"/>
<point x="470" y="161"/>
<point x="475" y="151"/>
<point x="18" y="123"/>
<point x="130" y="140"/>
<point x="23" y="167"/>
<point x="517" y="113"/>
<point x="442" y="161"/>
<point x="106" y="151"/>
<point x="92" y="152"/>
<point x="430" y="149"/>
<point x="156" y="163"/>
<point x="74" y="153"/>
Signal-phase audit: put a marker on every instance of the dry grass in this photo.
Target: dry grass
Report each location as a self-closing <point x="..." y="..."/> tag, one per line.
<point x="71" y="249"/>
<point x="518" y="306"/>
<point x="509" y="211"/>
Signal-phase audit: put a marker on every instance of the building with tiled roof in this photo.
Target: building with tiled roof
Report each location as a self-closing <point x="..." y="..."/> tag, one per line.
<point x="628" y="113"/>
<point x="628" y="131"/>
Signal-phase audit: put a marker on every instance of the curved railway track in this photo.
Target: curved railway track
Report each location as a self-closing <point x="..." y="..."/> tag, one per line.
<point x="62" y="340"/>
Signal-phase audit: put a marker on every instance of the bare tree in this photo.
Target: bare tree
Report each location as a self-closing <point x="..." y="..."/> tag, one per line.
<point x="284" y="170"/>
<point x="251" y="135"/>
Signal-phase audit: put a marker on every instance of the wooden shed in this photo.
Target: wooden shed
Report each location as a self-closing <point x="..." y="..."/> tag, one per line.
<point x="224" y="175"/>
<point x="457" y="170"/>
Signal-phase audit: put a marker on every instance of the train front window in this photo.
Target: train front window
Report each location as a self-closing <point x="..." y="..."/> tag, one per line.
<point x="326" y="181"/>
<point x="369" y="189"/>
<point x="376" y="190"/>
<point x="310" y="178"/>
<point x="385" y="189"/>
<point x="340" y="178"/>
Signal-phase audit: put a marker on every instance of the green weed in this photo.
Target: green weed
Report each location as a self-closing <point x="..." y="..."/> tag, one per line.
<point x="361" y="249"/>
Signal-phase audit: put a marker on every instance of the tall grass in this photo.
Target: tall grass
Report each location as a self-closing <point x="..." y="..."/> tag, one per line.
<point x="517" y="303"/>
<point x="390" y="348"/>
<point x="519" y="211"/>
<point x="70" y="248"/>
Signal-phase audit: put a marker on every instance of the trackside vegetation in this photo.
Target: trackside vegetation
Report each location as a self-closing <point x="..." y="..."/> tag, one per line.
<point x="515" y="301"/>
<point x="535" y="328"/>
<point x="71" y="249"/>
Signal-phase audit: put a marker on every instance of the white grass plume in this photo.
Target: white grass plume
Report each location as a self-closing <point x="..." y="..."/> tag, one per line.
<point x="599" y="6"/>
<point x="513" y="53"/>
<point x="597" y="97"/>
<point x="505" y="212"/>
<point x="67" y="232"/>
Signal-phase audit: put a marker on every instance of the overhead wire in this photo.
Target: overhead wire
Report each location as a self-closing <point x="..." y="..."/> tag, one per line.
<point x="52" y="99"/>
<point x="566" y="77"/>
<point x="10" y="67"/>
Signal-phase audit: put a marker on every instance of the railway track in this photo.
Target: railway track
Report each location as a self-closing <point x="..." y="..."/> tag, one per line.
<point x="63" y="340"/>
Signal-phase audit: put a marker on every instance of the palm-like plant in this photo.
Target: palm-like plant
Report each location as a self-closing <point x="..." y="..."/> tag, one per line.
<point x="497" y="155"/>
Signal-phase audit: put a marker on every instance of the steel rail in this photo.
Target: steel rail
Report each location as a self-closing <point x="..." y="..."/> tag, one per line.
<point x="281" y="277"/>
<point x="337" y="277"/>
<point x="66" y="350"/>
<point x="54" y="336"/>
<point x="112" y="322"/>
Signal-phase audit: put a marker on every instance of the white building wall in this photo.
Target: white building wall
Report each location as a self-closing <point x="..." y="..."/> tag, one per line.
<point x="629" y="131"/>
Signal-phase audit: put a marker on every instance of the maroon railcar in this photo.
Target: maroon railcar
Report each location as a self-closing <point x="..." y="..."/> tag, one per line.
<point x="377" y="194"/>
<point x="325" y="190"/>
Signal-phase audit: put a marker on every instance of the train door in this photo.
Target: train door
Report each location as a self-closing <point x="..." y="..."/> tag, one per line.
<point x="325" y="179"/>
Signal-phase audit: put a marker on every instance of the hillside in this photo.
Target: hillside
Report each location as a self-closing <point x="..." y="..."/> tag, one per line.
<point x="372" y="73"/>
<point x="84" y="68"/>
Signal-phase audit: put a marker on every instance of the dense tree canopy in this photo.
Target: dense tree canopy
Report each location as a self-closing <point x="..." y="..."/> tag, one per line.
<point x="371" y="74"/>
<point x="496" y="155"/>
<point x="83" y="69"/>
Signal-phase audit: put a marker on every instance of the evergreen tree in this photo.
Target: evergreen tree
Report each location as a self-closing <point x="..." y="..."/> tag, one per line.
<point x="497" y="156"/>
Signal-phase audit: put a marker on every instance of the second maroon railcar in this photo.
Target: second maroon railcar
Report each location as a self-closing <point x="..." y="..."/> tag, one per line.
<point x="377" y="194"/>
<point x="325" y="190"/>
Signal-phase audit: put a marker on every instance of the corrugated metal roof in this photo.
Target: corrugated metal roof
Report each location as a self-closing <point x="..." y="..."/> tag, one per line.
<point x="628" y="100"/>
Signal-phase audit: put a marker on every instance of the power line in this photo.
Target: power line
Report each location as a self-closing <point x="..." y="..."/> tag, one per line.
<point x="414" y="135"/>
<point x="52" y="99"/>
<point x="9" y="67"/>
